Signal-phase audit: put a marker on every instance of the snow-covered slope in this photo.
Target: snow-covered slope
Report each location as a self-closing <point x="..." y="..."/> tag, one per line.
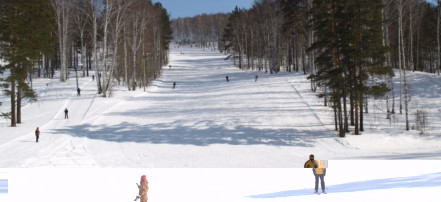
<point x="204" y="122"/>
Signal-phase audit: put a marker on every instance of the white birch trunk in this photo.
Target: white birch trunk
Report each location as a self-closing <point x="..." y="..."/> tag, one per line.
<point x="61" y="8"/>
<point x="411" y="32"/>
<point x="115" y="10"/>
<point x="384" y="29"/>
<point x="65" y="14"/>
<point x="437" y="40"/>
<point x="126" y="81"/>
<point x="400" y="45"/>
<point x="94" y="45"/>
<point x="139" y="24"/>
<point x="403" y="60"/>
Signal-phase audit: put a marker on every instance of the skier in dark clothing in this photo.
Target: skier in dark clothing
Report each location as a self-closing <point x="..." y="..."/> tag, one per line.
<point x="66" y="115"/>
<point x="226" y="77"/>
<point x="93" y="77"/>
<point x="174" y="85"/>
<point x="37" y="134"/>
<point x="78" y="92"/>
<point x="256" y="78"/>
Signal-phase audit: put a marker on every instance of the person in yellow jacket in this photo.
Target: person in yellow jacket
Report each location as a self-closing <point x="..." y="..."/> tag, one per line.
<point x="143" y="189"/>
<point x="310" y="162"/>
<point x="319" y="170"/>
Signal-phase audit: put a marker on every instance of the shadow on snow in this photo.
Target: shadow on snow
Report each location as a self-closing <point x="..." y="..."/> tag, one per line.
<point x="176" y="133"/>
<point x="421" y="181"/>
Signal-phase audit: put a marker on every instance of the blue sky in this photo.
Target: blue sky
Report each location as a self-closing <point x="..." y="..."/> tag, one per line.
<point x="189" y="8"/>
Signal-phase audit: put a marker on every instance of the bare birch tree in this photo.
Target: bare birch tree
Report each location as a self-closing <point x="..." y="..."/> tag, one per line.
<point x="438" y="59"/>
<point x="402" y="60"/>
<point x="81" y="21"/>
<point x="62" y="8"/>
<point x="137" y="26"/>
<point x="114" y="19"/>
<point x="93" y="15"/>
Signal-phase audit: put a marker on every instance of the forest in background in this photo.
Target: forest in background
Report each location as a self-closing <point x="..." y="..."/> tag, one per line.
<point x="201" y="31"/>
<point x="348" y="48"/>
<point x="125" y="42"/>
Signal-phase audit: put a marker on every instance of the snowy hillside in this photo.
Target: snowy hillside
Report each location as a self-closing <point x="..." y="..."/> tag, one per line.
<point x="205" y="122"/>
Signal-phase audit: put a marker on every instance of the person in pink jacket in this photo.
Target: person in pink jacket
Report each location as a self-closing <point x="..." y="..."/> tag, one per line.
<point x="143" y="189"/>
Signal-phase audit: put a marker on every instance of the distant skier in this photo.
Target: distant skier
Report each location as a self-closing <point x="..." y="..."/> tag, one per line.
<point x="66" y="114"/>
<point x="93" y="77"/>
<point x="256" y="78"/>
<point x="319" y="170"/>
<point x="226" y="77"/>
<point x="143" y="189"/>
<point x="169" y="66"/>
<point x="37" y="134"/>
<point x="174" y="85"/>
<point x="78" y="92"/>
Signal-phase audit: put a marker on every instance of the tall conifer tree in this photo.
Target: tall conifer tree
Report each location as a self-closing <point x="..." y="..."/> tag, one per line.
<point x="351" y="55"/>
<point x="26" y="33"/>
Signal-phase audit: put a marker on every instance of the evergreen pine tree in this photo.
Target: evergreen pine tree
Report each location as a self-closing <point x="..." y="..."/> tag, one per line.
<point x="295" y="24"/>
<point x="26" y="32"/>
<point x="327" y="25"/>
<point x="351" y="55"/>
<point x="230" y="35"/>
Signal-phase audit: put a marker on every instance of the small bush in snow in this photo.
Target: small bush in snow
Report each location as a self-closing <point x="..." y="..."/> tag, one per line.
<point x="421" y="120"/>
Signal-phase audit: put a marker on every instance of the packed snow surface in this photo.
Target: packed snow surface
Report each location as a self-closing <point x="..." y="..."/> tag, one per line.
<point x="346" y="181"/>
<point x="206" y="122"/>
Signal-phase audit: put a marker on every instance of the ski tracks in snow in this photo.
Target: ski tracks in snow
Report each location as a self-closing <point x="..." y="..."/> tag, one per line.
<point x="69" y="150"/>
<point x="55" y="149"/>
<point x="340" y="141"/>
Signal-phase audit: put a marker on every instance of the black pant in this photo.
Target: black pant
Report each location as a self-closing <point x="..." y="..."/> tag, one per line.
<point x="37" y="136"/>
<point x="66" y="116"/>
<point x="322" y="184"/>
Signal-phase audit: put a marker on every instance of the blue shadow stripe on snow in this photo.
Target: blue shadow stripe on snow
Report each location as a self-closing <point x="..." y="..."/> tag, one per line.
<point x="211" y="133"/>
<point x="3" y="186"/>
<point x="403" y="156"/>
<point x="421" y="181"/>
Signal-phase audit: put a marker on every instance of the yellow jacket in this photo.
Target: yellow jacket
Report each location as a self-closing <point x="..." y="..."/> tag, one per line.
<point x="309" y="164"/>
<point x="319" y="168"/>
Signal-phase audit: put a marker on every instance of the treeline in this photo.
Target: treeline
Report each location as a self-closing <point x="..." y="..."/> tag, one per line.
<point x="201" y="31"/>
<point x="287" y="27"/>
<point x="126" y="42"/>
<point x="348" y="47"/>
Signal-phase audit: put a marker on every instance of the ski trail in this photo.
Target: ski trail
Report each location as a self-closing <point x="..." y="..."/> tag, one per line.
<point x="73" y="150"/>
<point x="204" y="122"/>
<point x="309" y="106"/>
<point x="332" y="134"/>
<point x="55" y="149"/>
